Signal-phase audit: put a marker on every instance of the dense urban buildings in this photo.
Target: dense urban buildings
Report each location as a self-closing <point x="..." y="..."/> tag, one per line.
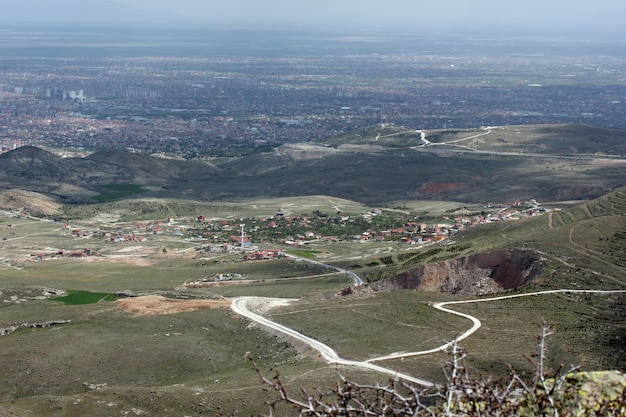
<point x="201" y="99"/>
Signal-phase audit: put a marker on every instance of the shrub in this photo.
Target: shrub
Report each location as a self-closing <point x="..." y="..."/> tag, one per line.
<point x="547" y="393"/>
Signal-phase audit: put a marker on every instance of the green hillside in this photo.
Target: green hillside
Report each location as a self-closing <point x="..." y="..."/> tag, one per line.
<point x="588" y="237"/>
<point x="131" y="225"/>
<point x="378" y="165"/>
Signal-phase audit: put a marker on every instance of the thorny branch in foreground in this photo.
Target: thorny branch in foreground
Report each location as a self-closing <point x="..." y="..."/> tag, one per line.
<point x="547" y="394"/>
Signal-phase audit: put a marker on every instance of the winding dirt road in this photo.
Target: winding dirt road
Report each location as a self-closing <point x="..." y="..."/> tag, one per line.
<point x="476" y="324"/>
<point x="240" y="306"/>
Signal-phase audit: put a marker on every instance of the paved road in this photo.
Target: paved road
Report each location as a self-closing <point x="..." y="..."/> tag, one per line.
<point x="357" y="279"/>
<point x="454" y="147"/>
<point x="240" y="306"/>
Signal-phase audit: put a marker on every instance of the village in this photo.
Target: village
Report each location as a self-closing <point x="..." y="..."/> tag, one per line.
<point x="266" y="237"/>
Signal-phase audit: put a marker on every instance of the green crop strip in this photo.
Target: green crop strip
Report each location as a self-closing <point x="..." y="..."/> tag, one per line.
<point x="75" y="297"/>
<point x="119" y="191"/>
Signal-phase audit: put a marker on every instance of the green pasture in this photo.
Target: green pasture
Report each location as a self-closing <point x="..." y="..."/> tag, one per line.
<point x="265" y="270"/>
<point x="98" y="276"/>
<point x="74" y="297"/>
<point x="165" y="274"/>
<point x="284" y="288"/>
<point x="588" y="329"/>
<point x="119" y="191"/>
<point x="309" y="254"/>
<point x="151" y="354"/>
<point x="363" y="327"/>
<point x="193" y="362"/>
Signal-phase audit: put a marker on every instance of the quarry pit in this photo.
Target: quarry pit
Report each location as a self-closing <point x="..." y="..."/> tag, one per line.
<point x="477" y="274"/>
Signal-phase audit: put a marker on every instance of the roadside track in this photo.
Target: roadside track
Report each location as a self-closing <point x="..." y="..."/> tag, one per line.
<point x="240" y="306"/>
<point x="476" y="323"/>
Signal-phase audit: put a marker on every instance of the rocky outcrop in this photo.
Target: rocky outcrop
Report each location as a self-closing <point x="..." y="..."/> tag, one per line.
<point x="10" y="329"/>
<point x="477" y="274"/>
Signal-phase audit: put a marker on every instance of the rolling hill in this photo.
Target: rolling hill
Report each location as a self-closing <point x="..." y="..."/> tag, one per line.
<point x="372" y="166"/>
<point x="103" y="360"/>
<point x="579" y="248"/>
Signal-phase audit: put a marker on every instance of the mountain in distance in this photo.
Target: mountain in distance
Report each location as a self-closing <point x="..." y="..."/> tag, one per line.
<point x="372" y="166"/>
<point x="580" y="247"/>
<point x="79" y="180"/>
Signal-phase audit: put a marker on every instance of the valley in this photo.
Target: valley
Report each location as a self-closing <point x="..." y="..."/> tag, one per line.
<point x="183" y="211"/>
<point x="585" y="285"/>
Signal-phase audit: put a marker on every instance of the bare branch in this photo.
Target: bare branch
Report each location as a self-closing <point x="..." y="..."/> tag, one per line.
<point x="548" y="394"/>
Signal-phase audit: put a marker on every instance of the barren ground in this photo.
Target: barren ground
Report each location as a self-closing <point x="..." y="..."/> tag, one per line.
<point x="155" y="304"/>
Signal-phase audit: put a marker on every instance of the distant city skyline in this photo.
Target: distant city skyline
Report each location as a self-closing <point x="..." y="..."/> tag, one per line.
<point x="481" y="15"/>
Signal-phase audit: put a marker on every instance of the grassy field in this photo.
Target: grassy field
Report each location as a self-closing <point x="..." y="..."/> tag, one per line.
<point x="162" y="275"/>
<point x="118" y="191"/>
<point x="131" y="356"/>
<point x="107" y="361"/>
<point x="160" y="208"/>
<point x="556" y="139"/>
<point x="284" y="288"/>
<point x="361" y="327"/>
<point x="83" y="297"/>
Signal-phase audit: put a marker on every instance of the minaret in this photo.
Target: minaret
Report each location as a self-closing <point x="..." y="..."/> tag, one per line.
<point x="243" y="235"/>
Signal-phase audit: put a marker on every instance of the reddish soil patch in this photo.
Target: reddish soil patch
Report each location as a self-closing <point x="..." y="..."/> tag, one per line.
<point x="155" y="304"/>
<point x="438" y="187"/>
<point x="482" y="273"/>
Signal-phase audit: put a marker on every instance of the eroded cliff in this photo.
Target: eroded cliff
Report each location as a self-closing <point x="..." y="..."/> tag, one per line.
<point x="477" y="274"/>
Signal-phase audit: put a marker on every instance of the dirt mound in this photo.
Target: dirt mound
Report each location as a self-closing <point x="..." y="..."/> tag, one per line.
<point x="29" y="202"/>
<point x="477" y="274"/>
<point x="155" y="304"/>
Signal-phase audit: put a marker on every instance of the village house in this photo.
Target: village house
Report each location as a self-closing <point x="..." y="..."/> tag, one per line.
<point x="263" y="255"/>
<point x="225" y="247"/>
<point x="247" y="242"/>
<point x="227" y="277"/>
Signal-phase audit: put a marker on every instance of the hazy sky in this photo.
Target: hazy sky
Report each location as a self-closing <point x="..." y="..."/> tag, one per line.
<point x="483" y="15"/>
<point x="610" y="14"/>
